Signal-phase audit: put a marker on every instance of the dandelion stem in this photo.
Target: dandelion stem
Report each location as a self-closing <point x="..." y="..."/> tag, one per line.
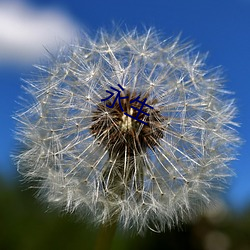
<point x="105" y="236"/>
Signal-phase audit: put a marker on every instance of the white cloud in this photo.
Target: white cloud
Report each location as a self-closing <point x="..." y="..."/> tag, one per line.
<point x="25" y="31"/>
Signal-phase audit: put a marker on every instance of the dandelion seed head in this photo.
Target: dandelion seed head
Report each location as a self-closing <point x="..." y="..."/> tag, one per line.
<point x="158" y="170"/>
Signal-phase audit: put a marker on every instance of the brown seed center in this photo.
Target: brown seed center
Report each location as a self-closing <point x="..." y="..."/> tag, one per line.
<point x="116" y="129"/>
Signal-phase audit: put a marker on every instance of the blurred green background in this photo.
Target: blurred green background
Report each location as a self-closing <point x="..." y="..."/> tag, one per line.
<point x="27" y="225"/>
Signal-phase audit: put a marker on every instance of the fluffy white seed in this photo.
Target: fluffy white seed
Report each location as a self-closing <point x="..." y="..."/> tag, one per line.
<point x="92" y="160"/>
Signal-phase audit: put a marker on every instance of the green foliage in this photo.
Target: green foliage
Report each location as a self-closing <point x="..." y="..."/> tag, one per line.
<point x="25" y="226"/>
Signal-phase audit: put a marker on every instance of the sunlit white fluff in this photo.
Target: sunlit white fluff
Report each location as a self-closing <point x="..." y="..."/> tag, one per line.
<point x="168" y="175"/>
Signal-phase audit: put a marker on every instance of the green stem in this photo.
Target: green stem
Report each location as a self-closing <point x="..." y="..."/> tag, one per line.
<point x="105" y="236"/>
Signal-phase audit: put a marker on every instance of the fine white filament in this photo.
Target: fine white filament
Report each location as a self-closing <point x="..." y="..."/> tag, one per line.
<point x="167" y="180"/>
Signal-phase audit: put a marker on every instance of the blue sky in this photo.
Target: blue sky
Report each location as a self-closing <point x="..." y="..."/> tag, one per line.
<point x="221" y="27"/>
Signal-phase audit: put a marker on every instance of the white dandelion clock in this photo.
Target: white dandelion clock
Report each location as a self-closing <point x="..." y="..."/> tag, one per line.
<point x="130" y="128"/>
